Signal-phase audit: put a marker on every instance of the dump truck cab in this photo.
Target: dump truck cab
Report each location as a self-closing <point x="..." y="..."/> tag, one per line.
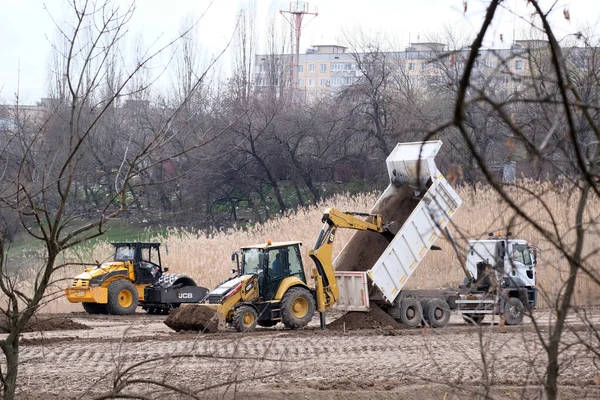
<point x="513" y="262"/>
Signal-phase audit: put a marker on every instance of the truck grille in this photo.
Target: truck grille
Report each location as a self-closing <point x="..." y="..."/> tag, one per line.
<point x="80" y="283"/>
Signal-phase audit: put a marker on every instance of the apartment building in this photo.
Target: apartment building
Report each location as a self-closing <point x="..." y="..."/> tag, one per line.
<point x="325" y="70"/>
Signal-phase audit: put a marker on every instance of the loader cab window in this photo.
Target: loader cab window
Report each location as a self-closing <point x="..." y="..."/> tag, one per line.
<point x="252" y="262"/>
<point x="279" y="269"/>
<point x="124" y="253"/>
<point x="150" y="255"/>
<point x="279" y="264"/>
<point x="295" y="260"/>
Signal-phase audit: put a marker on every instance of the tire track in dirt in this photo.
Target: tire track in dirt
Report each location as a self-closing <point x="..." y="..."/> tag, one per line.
<point x="296" y="359"/>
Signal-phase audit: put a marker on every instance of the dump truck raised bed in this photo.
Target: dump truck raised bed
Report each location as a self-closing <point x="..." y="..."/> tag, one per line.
<point x="418" y="204"/>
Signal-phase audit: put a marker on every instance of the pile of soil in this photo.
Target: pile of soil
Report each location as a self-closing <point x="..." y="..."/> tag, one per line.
<point x="355" y="320"/>
<point x="45" y="324"/>
<point x="193" y="318"/>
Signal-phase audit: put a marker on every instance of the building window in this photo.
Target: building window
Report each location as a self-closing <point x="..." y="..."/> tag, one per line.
<point x="311" y="83"/>
<point x="424" y="67"/>
<point x="341" y="81"/>
<point x="324" y="82"/>
<point x="519" y="64"/>
<point x="323" y="67"/>
<point x="311" y="67"/>
<point x="411" y="66"/>
<point x="342" y="67"/>
<point x="300" y="82"/>
<point x="300" y="68"/>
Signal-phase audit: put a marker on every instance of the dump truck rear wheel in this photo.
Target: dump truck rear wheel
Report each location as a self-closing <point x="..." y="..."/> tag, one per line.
<point x="94" y="308"/>
<point x="297" y="308"/>
<point x="514" y="311"/>
<point x="437" y="313"/>
<point x="411" y="312"/>
<point x="474" y="319"/>
<point x="122" y="298"/>
<point x="244" y="319"/>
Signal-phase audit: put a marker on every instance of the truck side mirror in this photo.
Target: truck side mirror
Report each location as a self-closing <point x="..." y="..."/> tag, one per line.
<point x="534" y="256"/>
<point x="233" y="271"/>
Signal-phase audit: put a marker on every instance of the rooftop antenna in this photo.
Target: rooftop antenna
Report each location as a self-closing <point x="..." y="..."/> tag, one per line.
<point x="297" y="10"/>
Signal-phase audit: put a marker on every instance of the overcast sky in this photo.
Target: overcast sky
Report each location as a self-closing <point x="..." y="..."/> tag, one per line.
<point x="27" y="29"/>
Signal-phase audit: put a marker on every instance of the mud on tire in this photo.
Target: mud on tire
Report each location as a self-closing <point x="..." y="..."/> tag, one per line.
<point x="297" y="308"/>
<point x="122" y="298"/>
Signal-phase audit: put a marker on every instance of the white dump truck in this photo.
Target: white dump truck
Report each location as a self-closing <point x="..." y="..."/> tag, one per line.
<point x="418" y="204"/>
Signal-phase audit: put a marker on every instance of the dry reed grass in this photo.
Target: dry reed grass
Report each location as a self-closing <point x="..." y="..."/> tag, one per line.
<point x="206" y="256"/>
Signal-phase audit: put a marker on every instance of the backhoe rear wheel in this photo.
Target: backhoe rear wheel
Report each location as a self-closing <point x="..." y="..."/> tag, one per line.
<point x="244" y="319"/>
<point x="94" y="308"/>
<point x="122" y="298"/>
<point x="297" y="308"/>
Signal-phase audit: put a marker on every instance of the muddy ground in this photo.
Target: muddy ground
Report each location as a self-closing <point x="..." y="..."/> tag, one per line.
<point x="389" y="362"/>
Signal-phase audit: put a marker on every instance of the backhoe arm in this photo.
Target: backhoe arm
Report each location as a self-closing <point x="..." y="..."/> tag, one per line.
<point x="322" y="254"/>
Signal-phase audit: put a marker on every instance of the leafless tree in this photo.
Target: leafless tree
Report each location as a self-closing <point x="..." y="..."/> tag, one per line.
<point x="571" y="121"/>
<point x="41" y="190"/>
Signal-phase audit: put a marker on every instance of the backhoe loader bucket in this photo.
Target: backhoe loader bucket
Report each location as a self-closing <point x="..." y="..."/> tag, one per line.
<point x="196" y="317"/>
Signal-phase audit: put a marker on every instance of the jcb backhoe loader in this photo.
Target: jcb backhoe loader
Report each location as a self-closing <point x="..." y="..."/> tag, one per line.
<point x="271" y="285"/>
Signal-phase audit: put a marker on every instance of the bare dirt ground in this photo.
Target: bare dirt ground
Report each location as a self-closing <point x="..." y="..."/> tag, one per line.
<point x="389" y="362"/>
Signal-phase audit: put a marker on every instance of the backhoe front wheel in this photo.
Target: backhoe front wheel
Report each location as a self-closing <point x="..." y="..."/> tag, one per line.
<point x="122" y="298"/>
<point x="244" y="319"/>
<point x="297" y="308"/>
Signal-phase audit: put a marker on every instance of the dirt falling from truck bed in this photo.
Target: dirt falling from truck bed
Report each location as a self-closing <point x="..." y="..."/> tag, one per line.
<point x="356" y="320"/>
<point x="364" y="248"/>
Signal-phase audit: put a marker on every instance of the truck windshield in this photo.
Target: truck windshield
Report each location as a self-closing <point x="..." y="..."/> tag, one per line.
<point x="252" y="261"/>
<point x="522" y="254"/>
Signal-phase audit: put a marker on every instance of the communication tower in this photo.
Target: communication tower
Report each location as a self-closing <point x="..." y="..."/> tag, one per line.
<point x="295" y="15"/>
